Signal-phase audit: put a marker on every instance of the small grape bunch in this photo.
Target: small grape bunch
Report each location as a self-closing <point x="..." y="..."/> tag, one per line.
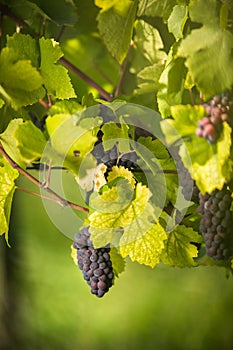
<point x="219" y="110"/>
<point x="216" y="223"/>
<point x="95" y="264"/>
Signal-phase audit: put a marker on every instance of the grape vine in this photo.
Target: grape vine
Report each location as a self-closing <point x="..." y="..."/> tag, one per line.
<point x="142" y="123"/>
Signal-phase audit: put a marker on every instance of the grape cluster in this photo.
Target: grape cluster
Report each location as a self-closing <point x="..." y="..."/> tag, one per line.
<point x="189" y="188"/>
<point x="216" y="223"/>
<point x="219" y="110"/>
<point x="95" y="264"/>
<point x="113" y="157"/>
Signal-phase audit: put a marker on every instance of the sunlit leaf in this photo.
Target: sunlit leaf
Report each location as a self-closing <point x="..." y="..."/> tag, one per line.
<point x="209" y="60"/>
<point x="55" y="76"/>
<point x="23" y="142"/>
<point x="116" y="26"/>
<point x="179" y="250"/>
<point x="8" y="175"/>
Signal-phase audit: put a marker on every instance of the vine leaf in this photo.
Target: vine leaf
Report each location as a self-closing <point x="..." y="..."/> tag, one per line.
<point x="171" y="82"/>
<point x="143" y="241"/>
<point x="117" y="172"/>
<point x="68" y="136"/>
<point x="167" y="183"/>
<point x="115" y="23"/>
<point x="148" y="58"/>
<point x="65" y="107"/>
<point x="1" y="103"/>
<point x="153" y="8"/>
<point x="23" y="142"/>
<point x="8" y="175"/>
<point x="113" y="132"/>
<point x="118" y="263"/>
<point x="113" y="200"/>
<point x="111" y="218"/>
<point x="209" y="164"/>
<point x="24" y="47"/>
<point x="152" y="156"/>
<point x="202" y="55"/>
<point x="177" y="20"/>
<point x="116" y="208"/>
<point x="55" y="76"/>
<point x="16" y="88"/>
<point x="179" y="250"/>
<point x="204" y="11"/>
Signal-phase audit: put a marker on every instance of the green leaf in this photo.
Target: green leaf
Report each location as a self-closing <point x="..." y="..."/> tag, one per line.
<point x="23" y="142"/>
<point x="117" y="172"/>
<point x="148" y="46"/>
<point x="224" y="15"/>
<point x="25" y="48"/>
<point x="64" y="13"/>
<point x="204" y="11"/>
<point x="172" y="82"/>
<point x="113" y="200"/>
<point x="142" y="239"/>
<point x="65" y="107"/>
<point x="118" y="263"/>
<point x="112" y="133"/>
<point x="55" y="76"/>
<point x="179" y="250"/>
<point x="16" y="88"/>
<point x="154" y="8"/>
<point x="8" y="175"/>
<point x="148" y="79"/>
<point x="148" y="150"/>
<point x="109" y="218"/>
<point x="157" y="161"/>
<point x="72" y="141"/>
<point x="33" y="12"/>
<point x="177" y="20"/>
<point x="143" y="242"/>
<point x="209" y="59"/>
<point x="115" y="23"/>
<point x="209" y="164"/>
<point x="1" y="103"/>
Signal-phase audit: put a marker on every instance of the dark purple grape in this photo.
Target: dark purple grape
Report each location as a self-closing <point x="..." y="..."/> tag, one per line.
<point x="219" y="110"/>
<point x="95" y="264"/>
<point x="216" y="223"/>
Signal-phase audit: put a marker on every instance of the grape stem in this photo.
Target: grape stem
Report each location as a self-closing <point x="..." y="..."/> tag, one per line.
<point x="56" y="198"/>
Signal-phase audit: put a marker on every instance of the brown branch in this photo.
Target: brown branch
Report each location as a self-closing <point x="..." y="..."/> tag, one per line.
<point x="58" y="38"/>
<point x="191" y="97"/>
<point x="36" y="194"/>
<point x="86" y="78"/>
<point x="44" y="104"/>
<point x="58" y="199"/>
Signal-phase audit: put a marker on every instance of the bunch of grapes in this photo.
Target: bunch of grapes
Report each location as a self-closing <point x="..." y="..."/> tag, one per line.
<point x="113" y="156"/>
<point x="216" y="223"/>
<point x="219" y="110"/>
<point x="95" y="264"/>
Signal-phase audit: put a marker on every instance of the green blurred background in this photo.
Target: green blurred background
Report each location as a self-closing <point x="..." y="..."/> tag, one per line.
<point x="45" y="304"/>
